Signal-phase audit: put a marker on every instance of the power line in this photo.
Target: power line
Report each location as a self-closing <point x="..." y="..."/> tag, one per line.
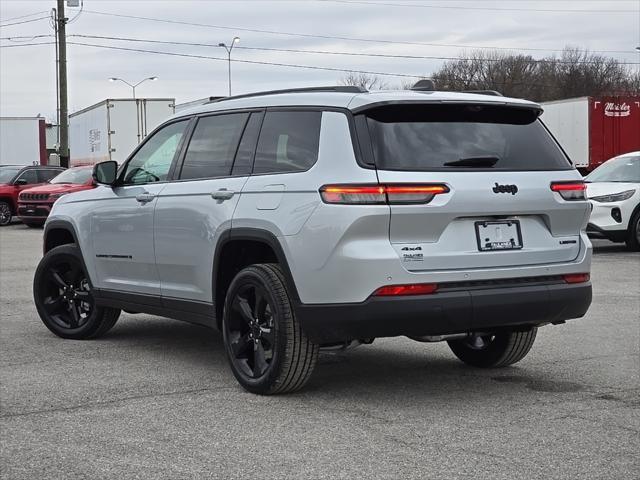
<point x="24" y="16"/>
<point x="327" y="52"/>
<point x="253" y="62"/>
<point x="24" y="21"/>
<point x="459" y="7"/>
<point x="331" y="37"/>
<point x="19" y="38"/>
<point x="27" y="45"/>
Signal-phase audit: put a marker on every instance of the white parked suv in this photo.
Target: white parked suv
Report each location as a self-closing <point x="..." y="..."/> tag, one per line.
<point x="614" y="191"/>
<point x="308" y="218"/>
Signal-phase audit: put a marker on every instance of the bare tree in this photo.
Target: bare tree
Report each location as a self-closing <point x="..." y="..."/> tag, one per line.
<point x="574" y="73"/>
<point x="364" y="80"/>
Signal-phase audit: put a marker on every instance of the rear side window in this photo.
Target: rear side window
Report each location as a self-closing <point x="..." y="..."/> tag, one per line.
<point x="434" y="137"/>
<point x="289" y="142"/>
<point x="213" y="146"/>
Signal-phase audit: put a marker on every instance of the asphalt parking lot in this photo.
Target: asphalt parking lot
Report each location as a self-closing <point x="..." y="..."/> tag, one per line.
<point x="155" y="399"/>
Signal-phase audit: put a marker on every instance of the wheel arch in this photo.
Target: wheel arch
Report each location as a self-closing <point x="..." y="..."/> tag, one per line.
<point x="239" y="248"/>
<point x="634" y="212"/>
<point x="58" y="232"/>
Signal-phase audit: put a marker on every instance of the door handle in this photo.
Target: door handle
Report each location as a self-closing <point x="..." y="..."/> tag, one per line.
<point x="222" y="194"/>
<point x="145" y="197"/>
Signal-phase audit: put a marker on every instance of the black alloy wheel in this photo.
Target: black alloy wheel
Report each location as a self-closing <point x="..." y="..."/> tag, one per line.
<point x="63" y="296"/>
<point x="251" y="330"/>
<point x="266" y="348"/>
<point x="66" y="295"/>
<point x="496" y="350"/>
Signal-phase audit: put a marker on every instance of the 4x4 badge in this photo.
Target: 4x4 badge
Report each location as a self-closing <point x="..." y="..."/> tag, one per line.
<point x="512" y="189"/>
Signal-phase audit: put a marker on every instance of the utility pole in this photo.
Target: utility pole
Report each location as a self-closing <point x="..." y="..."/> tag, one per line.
<point x="63" y="148"/>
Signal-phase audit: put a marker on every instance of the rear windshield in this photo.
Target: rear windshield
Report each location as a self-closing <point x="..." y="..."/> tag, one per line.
<point x="454" y="137"/>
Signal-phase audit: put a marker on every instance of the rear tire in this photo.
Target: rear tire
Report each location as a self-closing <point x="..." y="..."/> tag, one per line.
<point x="633" y="233"/>
<point x="63" y="298"/>
<point x="494" y="351"/>
<point x="267" y="350"/>
<point x="5" y="214"/>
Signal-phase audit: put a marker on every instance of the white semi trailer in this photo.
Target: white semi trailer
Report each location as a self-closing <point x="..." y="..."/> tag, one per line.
<point x="111" y="129"/>
<point x="23" y="141"/>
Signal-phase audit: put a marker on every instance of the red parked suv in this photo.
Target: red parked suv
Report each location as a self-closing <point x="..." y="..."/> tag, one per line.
<point x="34" y="204"/>
<point x="17" y="178"/>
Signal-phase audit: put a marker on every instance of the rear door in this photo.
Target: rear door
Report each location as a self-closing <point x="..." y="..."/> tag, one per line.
<point x="194" y="211"/>
<point x="498" y="164"/>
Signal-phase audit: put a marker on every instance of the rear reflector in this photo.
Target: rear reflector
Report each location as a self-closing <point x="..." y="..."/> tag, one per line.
<point x="574" y="190"/>
<point x="381" y="194"/>
<point x="576" y="278"/>
<point x="411" y="289"/>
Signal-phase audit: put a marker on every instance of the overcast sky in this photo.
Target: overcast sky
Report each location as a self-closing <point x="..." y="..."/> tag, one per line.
<point x="27" y="73"/>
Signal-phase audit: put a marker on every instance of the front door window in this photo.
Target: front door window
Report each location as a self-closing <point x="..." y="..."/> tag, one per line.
<point x="153" y="161"/>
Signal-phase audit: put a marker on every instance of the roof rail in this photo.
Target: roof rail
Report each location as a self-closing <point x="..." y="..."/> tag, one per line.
<point x="495" y="93"/>
<point x="336" y="88"/>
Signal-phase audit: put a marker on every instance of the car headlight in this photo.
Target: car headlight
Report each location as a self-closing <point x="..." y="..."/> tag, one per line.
<point x="614" y="197"/>
<point x="55" y="196"/>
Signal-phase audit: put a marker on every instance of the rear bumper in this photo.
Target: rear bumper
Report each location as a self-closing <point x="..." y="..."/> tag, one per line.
<point x="447" y="312"/>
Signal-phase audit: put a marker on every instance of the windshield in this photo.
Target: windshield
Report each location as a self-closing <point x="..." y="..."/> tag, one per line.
<point x="73" y="175"/>
<point x="7" y="173"/>
<point x="621" y="169"/>
<point x="432" y="137"/>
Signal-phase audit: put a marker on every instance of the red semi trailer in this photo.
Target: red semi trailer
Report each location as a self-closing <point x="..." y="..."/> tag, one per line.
<point x="594" y="129"/>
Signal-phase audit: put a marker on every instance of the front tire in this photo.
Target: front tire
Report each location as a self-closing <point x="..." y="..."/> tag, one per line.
<point x="267" y="350"/>
<point x="494" y="351"/>
<point x="633" y="233"/>
<point x="5" y="214"/>
<point x="63" y="298"/>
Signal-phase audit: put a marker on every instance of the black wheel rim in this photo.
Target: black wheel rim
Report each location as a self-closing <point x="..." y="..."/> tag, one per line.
<point x="479" y="342"/>
<point x="250" y="330"/>
<point x="66" y="295"/>
<point x="5" y="214"/>
<point x="638" y="230"/>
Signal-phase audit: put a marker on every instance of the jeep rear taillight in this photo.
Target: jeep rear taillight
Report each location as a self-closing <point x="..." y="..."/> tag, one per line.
<point x="400" y="193"/>
<point x="574" y="190"/>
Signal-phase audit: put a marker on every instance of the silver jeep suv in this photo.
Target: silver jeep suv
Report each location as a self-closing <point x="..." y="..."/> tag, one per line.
<point x="301" y="219"/>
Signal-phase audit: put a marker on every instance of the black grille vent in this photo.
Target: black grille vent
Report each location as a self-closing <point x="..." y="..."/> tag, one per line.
<point x="34" y="196"/>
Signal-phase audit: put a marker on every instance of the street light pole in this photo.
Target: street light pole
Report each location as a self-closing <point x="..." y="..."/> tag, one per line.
<point x="229" y="49"/>
<point x="133" y="86"/>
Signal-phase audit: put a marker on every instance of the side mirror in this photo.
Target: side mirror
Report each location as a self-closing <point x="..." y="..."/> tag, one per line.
<point x="21" y="181"/>
<point x="105" y="173"/>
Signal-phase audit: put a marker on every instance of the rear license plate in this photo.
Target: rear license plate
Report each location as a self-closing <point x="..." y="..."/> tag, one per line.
<point x="503" y="235"/>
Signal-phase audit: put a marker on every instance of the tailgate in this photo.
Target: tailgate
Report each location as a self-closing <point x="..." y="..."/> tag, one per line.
<point x="451" y="231"/>
<point x="498" y="163"/>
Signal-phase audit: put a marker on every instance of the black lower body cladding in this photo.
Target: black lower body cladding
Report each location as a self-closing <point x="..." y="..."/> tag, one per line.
<point x="445" y="313"/>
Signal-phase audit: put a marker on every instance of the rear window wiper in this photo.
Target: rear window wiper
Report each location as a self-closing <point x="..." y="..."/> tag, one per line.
<point x="473" y="162"/>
